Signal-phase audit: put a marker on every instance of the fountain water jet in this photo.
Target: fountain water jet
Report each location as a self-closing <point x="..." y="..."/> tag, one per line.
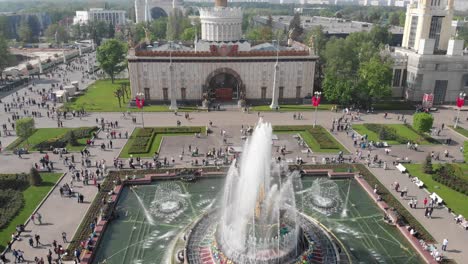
<point x="148" y="216"/>
<point x="258" y="221"/>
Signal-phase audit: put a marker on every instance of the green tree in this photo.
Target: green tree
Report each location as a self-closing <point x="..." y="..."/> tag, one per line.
<point x="25" y="127"/>
<point x="25" y="33"/>
<point x="295" y="27"/>
<point x="35" y="178"/>
<point x="159" y="28"/>
<point x="375" y="79"/>
<point x="422" y="122"/>
<point x="111" y="57"/>
<point x="176" y="24"/>
<point x="188" y="34"/>
<point x="427" y="166"/>
<point x="57" y="33"/>
<point x="110" y="30"/>
<point x="77" y="31"/>
<point x="5" y="56"/>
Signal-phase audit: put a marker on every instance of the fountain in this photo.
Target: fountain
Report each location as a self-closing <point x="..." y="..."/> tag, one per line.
<point x="258" y="221"/>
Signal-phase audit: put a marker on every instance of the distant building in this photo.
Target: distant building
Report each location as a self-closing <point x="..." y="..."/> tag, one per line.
<point x="221" y="66"/>
<point x="337" y="27"/>
<point x="430" y="60"/>
<point x="114" y="17"/>
<point x="148" y="10"/>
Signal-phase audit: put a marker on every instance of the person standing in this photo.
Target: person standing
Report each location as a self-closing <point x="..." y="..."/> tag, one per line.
<point x="444" y="244"/>
<point x="64" y="237"/>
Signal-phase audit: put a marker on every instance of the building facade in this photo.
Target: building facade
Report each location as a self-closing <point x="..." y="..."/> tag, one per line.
<point x="148" y="10"/>
<point x="114" y="17"/>
<point x="221" y="67"/>
<point x="430" y="60"/>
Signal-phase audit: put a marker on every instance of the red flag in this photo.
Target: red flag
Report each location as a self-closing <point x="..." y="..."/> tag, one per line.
<point x="460" y="101"/>
<point x="142" y="102"/>
<point x="315" y="101"/>
<point x="137" y="101"/>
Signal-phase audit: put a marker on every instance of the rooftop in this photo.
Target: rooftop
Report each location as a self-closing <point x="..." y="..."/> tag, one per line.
<point x="331" y="25"/>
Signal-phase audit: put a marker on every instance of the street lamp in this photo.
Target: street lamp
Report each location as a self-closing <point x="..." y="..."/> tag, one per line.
<point x="460" y="103"/>
<point x="140" y="101"/>
<point x="316" y="102"/>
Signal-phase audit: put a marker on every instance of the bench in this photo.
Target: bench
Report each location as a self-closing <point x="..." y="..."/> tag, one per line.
<point x="418" y="182"/>
<point x="401" y="168"/>
<point x="434" y="196"/>
<point x="464" y="224"/>
<point x="404" y="161"/>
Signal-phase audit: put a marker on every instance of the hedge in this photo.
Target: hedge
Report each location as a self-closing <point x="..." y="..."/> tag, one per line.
<point x="17" y="182"/>
<point x="142" y="141"/>
<point x="386" y="133"/>
<point x="11" y="202"/>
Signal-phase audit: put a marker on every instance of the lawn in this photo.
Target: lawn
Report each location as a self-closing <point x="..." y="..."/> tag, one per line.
<point x="458" y="202"/>
<point x="465" y="151"/>
<point x="314" y="143"/>
<point x="155" y="144"/>
<point x="461" y="130"/>
<point x="402" y="130"/>
<point x="100" y="98"/>
<point x="33" y="195"/>
<point x="44" y="134"/>
<point x="292" y="108"/>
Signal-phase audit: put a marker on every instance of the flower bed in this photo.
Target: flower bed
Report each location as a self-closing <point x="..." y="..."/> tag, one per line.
<point x="142" y="139"/>
<point x="319" y="136"/>
<point x="11" y="202"/>
<point x="451" y="176"/>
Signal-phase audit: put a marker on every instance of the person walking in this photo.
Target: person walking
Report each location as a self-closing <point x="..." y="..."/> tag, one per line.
<point x="444" y="244"/>
<point x="37" y="238"/>
<point x="64" y="237"/>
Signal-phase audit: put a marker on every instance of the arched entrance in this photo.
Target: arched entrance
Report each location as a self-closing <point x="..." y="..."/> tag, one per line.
<point x="157" y="12"/>
<point x="224" y="85"/>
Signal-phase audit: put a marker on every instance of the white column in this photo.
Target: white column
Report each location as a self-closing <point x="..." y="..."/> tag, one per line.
<point x="172" y="88"/>
<point x="64" y="57"/>
<point x="275" y="93"/>
<point x="40" y="66"/>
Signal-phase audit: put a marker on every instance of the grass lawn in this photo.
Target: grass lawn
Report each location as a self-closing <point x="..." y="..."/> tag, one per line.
<point x="402" y="130"/>
<point x="100" y="98"/>
<point x="458" y="202"/>
<point x="32" y="197"/>
<point x="292" y="108"/>
<point x="43" y="134"/>
<point x="393" y="105"/>
<point x="465" y="151"/>
<point x="311" y="141"/>
<point x="158" y="137"/>
<point x="461" y="130"/>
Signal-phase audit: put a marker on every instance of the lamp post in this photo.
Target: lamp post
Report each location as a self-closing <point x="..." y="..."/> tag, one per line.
<point x="275" y="92"/>
<point x="460" y="103"/>
<point x="316" y="102"/>
<point x="140" y="101"/>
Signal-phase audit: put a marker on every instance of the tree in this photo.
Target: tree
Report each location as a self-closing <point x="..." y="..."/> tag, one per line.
<point x="158" y="28"/>
<point x="422" y="122"/>
<point x="111" y="31"/>
<point x="188" y="34"/>
<point x="295" y="27"/>
<point x="375" y="79"/>
<point x="25" y="33"/>
<point x="427" y="167"/>
<point x="119" y="94"/>
<point x="57" y="33"/>
<point x="35" y="178"/>
<point x="111" y="57"/>
<point x="25" y="127"/>
<point x="5" y="56"/>
<point x="176" y="24"/>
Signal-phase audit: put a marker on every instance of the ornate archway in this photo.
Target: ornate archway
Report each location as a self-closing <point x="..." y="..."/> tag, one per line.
<point x="157" y="12"/>
<point x="224" y="84"/>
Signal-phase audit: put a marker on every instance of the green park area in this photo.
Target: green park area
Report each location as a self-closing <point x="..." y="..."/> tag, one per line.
<point x="317" y="138"/>
<point x="100" y="97"/>
<point x="449" y="181"/>
<point x="19" y="199"/>
<point x="74" y="139"/>
<point x="144" y="142"/>
<point x="393" y="134"/>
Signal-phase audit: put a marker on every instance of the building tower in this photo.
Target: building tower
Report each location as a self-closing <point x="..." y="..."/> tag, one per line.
<point x="221" y="23"/>
<point x="428" y="25"/>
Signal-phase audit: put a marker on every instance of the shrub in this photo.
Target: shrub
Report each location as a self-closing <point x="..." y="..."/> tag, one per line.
<point x="35" y="178"/>
<point x="18" y="182"/>
<point x="427" y="166"/>
<point x="11" y="202"/>
<point x="25" y="127"/>
<point x="422" y="122"/>
<point x="322" y="137"/>
<point x="144" y="132"/>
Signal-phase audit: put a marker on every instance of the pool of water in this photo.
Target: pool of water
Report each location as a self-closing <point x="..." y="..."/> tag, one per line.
<point x="151" y="216"/>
